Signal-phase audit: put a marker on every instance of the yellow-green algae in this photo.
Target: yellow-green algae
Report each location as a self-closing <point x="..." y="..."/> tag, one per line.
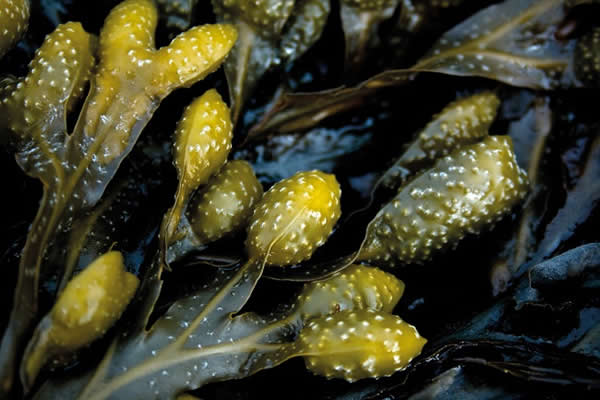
<point x="360" y="344"/>
<point x="202" y="140"/>
<point x="89" y="305"/>
<point x="462" y="122"/>
<point x="57" y="77"/>
<point x="201" y="146"/>
<point x="131" y="79"/>
<point x="227" y="202"/>
<point x="357" y="287"/>
<point x="293" y="218"/>
<point x="465" y="192"/>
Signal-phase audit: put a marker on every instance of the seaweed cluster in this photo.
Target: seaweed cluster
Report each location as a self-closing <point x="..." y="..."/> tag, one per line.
<point x="187" y="239"/>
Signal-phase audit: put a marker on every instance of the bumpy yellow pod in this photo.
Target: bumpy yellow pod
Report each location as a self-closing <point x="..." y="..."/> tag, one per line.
<point x="194" y="54"/>
<point x="359" y="344"/>
<point x="464" y="192"/>
<point x="462" y="122"/>
<point x="57" y="77"/>
<point x="357" y="287"/>
<point x="127" y="40"/>
<point x="203" y="139"/>
<point x="89" y="305"/>
<point x="14" y="17"/>
<point x="201" y="146"/>
<point x="227" y="202"/>
<point x="294" y="217"/>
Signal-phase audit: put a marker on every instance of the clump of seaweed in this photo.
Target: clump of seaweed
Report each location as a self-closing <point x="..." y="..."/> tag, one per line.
<point x="130" y="80"/>
<point x="128" y="290"/>
<point x="204" y="337"/>
<point x="464" y="192"/>
<point x="219" y="209"/>
<point x="511" y="42"/>
<point x="292" y="219"/>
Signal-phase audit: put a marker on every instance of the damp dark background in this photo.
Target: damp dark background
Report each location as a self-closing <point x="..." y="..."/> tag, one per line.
<point x="441" y="298"/>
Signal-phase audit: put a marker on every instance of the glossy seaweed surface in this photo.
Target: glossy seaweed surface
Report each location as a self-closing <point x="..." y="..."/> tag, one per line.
<point x="343" y="199"/>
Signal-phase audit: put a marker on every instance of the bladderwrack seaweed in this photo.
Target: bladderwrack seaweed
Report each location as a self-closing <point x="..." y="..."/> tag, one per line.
<point x="357" y="287"/>
<point x="133" y="77"/>
<point x="465" y="192"/>
<point x="294" y="217"/>
<point x="222" y="207"/>
<point x="201" y="146"/>
<point x="130" y="81"/>
<point x="354" y="345"/>
<point x="462" y="122"/>
<point x="38" y="103"/>
<point x="90" y="304"/>
<point x="227" y="202"/>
